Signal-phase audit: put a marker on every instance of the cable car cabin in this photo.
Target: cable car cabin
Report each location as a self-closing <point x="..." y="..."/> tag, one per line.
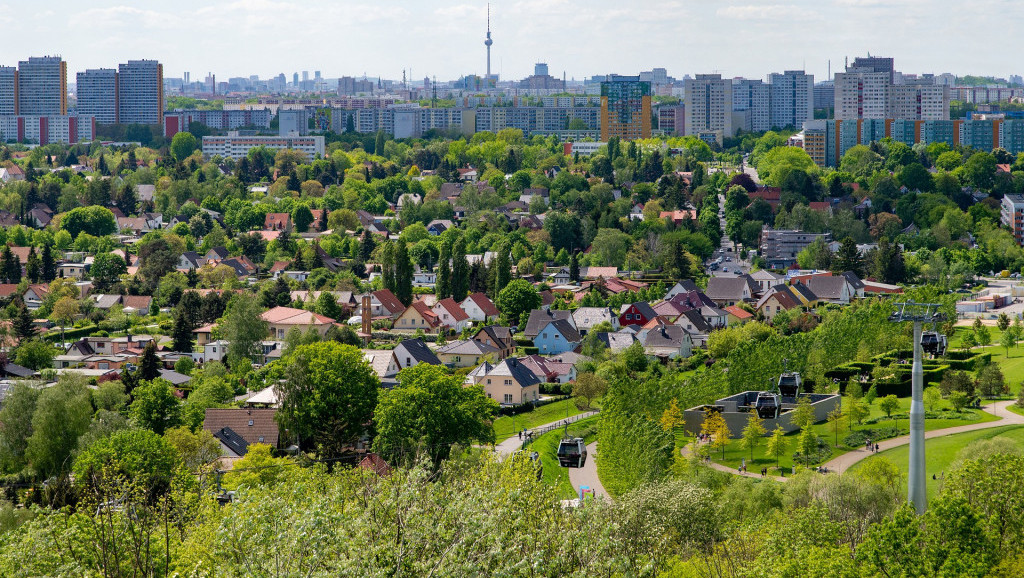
<point x="933" y="343"/>
<point x="789" y="384"/>
<point x="572" y="453"/>
<point x="768" y="405"/>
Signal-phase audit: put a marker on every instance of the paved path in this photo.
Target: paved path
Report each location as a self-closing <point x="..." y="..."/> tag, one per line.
<point x="844" y="462"/>
<point x="999" y="409"/>
<point x="587" y="475"/>
<point x="506" y="447"/>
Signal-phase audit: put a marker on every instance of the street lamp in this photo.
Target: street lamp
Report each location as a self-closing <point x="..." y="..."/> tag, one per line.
<point x="917" y="313"/>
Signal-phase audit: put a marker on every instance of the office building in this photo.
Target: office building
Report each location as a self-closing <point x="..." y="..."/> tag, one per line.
<point x="751" y="99"/>
<point x="1011" y="215"/>
<point x="708" y="100"/>
<point x="780" y="247"/>
<point x="792" y="98"/>
<point x="8" y="90"/>
<point x="625" y="108"/>
<point x="42" y="86"/>
<point x="140" y="92"/>
<point x="96" y="91"/>
<point x="234" y="146"/>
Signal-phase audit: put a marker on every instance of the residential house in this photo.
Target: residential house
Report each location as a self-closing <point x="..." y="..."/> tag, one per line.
<point x="409" y="353"/>
<point x="480" y="308"/>
<point x="694" y="323"/>
<point x="586" y="318"/>
<point x="238" y="428"/>
<point x="666" y="342"/>
<point x="669" y="309"/>
<point x="560" y="277"/>
<point x="438" y="226"/>
<point x="638" y="313"/>
<point x="422" y="278"/>
<point x="210" y="351"/>
<point x="40" y="215"/>
<point x="509" y="383"/>
<point x="417" y="317"/>
<point x="281" y="320"/>
<point x="204" y="334"/>
<point x="738" y="316"/>
<point x="189" y="260"/>
<point x="539" y="318"/>
<point x="833" y="289"/>
<point x="765" y="280"/>
<point x="557" y="337"/>
<point x="549" y="369"/>
<point x="383" y="305"/>
<point x="451" y="315"/>
<point x="594" y="273"/>
<point x="497" y="337"/>
<point x="616" y="342"/>
<point x="856" y="285"/>
<point x="217" y="254"/>
<point x="466" y="353"/>
<point x="777" y="300"/>
<point x="726" y="291"/>
<point x="277" y="222"/>
<point x="35" y="295"/>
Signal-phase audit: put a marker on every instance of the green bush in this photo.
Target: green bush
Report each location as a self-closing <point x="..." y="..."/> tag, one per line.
<point x="858" y="438"/>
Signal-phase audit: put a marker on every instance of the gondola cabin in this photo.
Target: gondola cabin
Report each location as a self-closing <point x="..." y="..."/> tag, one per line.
<point x="768" y="405"/>
<point x="789" y="385"/>
<point x="572" y="453"/>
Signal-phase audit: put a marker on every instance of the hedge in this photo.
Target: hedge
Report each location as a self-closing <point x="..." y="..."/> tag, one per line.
<point x="73" y="333"/>
<point x="528" y="407"/>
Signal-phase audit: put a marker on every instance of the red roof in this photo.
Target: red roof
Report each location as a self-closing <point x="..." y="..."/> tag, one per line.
<point x="424" y="311"/>
<point x="738" y="313"/>
<point x="292" y="316"/>
<point x="485" y="304"/>
<point x="453" y="309"/>
<point x="819" y="205"/>
<point x="389" y="301"/>
<point x="276" y="221"/>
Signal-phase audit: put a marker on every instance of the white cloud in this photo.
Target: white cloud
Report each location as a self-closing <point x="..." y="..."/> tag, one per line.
<point x="766" y="12"/>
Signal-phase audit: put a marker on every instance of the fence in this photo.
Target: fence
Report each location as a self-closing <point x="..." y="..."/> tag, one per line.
<point x="537" y="432"/>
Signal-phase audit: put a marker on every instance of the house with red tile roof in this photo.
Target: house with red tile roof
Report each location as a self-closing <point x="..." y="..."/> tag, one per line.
<point x="277" y="222"/>
<point x="417" y="317"/>
<point x="480" y="308"/>
<point x="738" y="316"/>
<point x="280" y="320"/>
<point x="451" y="315"/>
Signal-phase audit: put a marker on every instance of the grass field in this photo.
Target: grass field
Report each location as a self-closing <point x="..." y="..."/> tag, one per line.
<point x="1012" y="364"/>
<point x="734" y="453"/>
<point x="941" y="452"/>
<point x="547" y="446"/>
<point x="507" y="426"/>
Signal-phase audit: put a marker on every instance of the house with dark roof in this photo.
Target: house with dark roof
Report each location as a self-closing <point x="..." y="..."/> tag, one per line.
<point x="681" y="286"/>
<point x="777" y="300"/>
<point x="588" y="317"/>
<point x="833" y="289"/>
<point x="509" y="382"/>
<point x="189" y="260"/>
<point x="557" y="337"/>
<point x="726" y="291"/>
<point x="638" y="313"/>
<point x="497" y="337"/>
<point x="539" y="318"/>
<point x="618" y="341"/>
<point x="666" y="341"/>
<point x="550" y="369"/>
<point x="238" y="428"/>
<point x="856" y="284"/>
<point x="465" y="353"/>
<point x="694" y="323"/>
<point x="409" y="353"/>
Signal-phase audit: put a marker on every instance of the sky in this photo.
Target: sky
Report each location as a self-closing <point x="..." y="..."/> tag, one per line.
<point x="582" y="38"/>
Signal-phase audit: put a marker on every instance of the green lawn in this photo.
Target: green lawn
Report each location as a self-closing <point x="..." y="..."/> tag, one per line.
<point x="734" y="453"/>
<point x="942" y="451"/>
<point x="1012" y="364"/>
<point x="507" y="426"/>
<point x="547" y="446"/>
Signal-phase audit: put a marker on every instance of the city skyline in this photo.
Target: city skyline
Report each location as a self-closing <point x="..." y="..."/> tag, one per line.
<point x="446" y="39"/>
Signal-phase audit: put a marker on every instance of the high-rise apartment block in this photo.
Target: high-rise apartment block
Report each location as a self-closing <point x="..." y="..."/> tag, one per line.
<point x="1011" y="215"/>
<point x="871" y="89"/>
<point x="862" y="93"/>
<point x="920" y="99"/>
<point x="140" y="92"/>
<point x="42" y="86"/>
<point x="625" y="108"/>
<point x="750" y="100"/>
<point x="792" y="98"/>
<point x="708" y="101"/>
<point x="8" y="90"/>
<point x="96" y="92"/>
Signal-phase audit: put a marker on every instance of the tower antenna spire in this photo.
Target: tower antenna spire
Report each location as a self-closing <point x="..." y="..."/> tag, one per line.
<point x="488" y="42"/>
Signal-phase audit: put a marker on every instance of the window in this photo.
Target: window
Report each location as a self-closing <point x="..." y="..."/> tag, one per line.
<point x="261" y="439"/>
<point x="488" y="381"/>
<point x="250" y="422"/>
<point x="545" y="336"/>
<point x="508" y="398"/>
<point x="508" y="382"/>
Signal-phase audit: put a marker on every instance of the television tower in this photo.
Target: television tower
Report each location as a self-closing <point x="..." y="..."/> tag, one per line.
<point x="488" y="42"/>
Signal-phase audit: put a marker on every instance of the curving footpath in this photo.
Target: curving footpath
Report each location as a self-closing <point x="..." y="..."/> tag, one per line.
<point x="507" y="446"/>
<point x="587" y="475"/>
<point x="844" y="462"/>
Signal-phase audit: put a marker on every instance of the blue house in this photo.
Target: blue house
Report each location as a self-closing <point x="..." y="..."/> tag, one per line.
<point x="556" y="337"/>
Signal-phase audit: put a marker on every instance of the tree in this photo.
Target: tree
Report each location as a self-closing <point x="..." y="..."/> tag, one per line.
<point x="588" y="387"/>
<point x="1003" y="321"/>
<point x="969" y="340"/>
<point x="835" y="422"/>
<point x="107" y="269"/>
<point x="155" y="406"/>
<point x="777" y="444"/>
<point x="22" y="324"/>
<point x="803" y="415"/>
<point x="149" y="365"/>
<point x="181" y="332"/>
<point x="244" y="330"/>
<point x="958" y="400"/>
<point x="35" y="354"/>
<point x="932" y="396"/>
<point x="574" y="267"/>
<point x="460" y="271"/>
<point x="516" y="301"/>
<point x="1008" y="339"/>
<point x="16" y="426"/>
<point x="672" y="417"/>
<point x="753" y="433"/>
<point x="95" y="220"/>
<point x="502" y="268"/>
<point x="848" y="258"/>
<point x="983" y="335"/>
<point x="258" y="468"/>
<point x="61" y="416"/>
<point x="889" y="404"/>
<point x="856" y="410"/>
<point x="49" y="266"/>
<point x="64" y="312"/>
<point x="10" y="266"/>
<point x="183" y="145"/>
<point x="328" y="397"/>
<point x="991" y="382"/>
<point x="444" y="270"/>
<point x="194" y="449"/>
<point x="403" y="273"/>
<point x="140" y="456"/>
<point x="956" y="380"/>
<point x="33" y="267"/>
<point x="302" y="217"/>
<point x="429" y="411"/>
<point x="714" y="425"/>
